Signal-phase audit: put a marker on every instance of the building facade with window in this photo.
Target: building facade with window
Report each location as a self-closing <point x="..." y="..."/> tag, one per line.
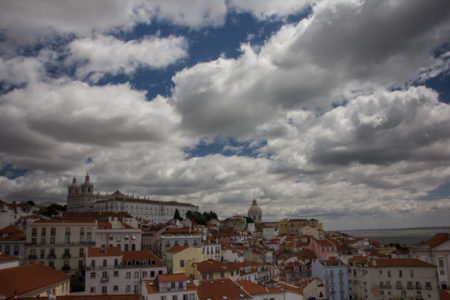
<point x="59" y="244"/>
<point x="396" y="278"/>
<point x="169" y="287"/>
<point x="82" y="198"/>
<point x="184" y="236"/>
<point x="333" y="273"/>
<point x="12" y="242"/>
<point x="112" y="271"/>
<point x="436" y="251"/>
<point x="116" y="233"/>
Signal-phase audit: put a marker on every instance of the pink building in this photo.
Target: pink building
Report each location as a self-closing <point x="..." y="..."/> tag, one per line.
<point x="323" y="248"/>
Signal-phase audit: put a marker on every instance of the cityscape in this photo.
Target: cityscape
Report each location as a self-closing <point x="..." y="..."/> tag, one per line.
<point x="225" y="149"/>
<point x="129" y="247"/>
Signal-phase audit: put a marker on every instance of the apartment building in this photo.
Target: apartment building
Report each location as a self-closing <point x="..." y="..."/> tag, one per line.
<point x="180" y="258"/>
<point x="116" y="233"/>
<point x="169" y="287"/>
<point x="333" y="273"/>
<point x="323" y="248"/>
<point x="212" y="269"/>
<point x="184" y="236"/>
<point x="12" y="241"/>
<point x="59" y="244"/>
<point x="295" y="226"/>
<point x="112" y="271"/>
<point x="396" y="278"/>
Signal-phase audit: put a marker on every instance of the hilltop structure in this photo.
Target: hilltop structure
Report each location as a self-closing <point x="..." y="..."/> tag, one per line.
<point x="82" y="199"/>
<point x="255" y="212"/>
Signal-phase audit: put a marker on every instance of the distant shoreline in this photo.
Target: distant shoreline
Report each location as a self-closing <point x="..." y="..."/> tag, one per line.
<point x="397" y="229"/>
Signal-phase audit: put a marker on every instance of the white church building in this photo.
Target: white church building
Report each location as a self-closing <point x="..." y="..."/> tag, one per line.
<point x="82" y="198"/>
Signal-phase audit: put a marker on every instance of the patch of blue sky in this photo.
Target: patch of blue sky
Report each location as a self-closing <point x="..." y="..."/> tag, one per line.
<point x="226" y="146"/>
<point x="10" y="172"/>
<point x="205" y="44"/>
<point x="441" y="192"/>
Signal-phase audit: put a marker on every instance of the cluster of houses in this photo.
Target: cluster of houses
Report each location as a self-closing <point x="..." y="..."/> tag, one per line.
<point x="116" y="255"/>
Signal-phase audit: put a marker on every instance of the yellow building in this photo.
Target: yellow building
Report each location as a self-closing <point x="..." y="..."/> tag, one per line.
<point x="295" y="226"/>
<point x="30" y="281"/>
<point x="179" y="259"/>
<point x="59" y="244"/>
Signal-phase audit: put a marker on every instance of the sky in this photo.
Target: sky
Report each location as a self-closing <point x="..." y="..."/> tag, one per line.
<point x="336" y="110"/>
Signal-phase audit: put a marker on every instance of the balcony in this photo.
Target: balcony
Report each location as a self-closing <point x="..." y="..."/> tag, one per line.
<point x="399" y="286"/>
<point x="32" y="256"/>
<point x="66" y="269"/>
<point x="51" y="255"/>
<point x="66" y="255"/>
<point x="104" y="279"/>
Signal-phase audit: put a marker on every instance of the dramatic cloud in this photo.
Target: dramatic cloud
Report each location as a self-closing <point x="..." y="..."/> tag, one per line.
<point x="332" y="117"/>
<point x="103" y="54"/>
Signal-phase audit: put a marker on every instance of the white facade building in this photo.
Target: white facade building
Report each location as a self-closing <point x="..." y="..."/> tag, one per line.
<point x="118" y="234"/>
<point x="82" y="198"/>
<point x="169" y="287"/>
<point x="111" y="271"/>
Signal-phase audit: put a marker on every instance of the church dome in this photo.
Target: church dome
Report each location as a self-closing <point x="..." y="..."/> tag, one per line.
<point x="255" y="212"/>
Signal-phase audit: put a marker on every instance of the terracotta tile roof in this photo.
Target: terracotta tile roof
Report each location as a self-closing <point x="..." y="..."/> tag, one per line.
<point x="216" y="266"/>
<point x="10" y="229"/>
<point x="176" y="249"/>
<point x="172" y="277"/>
<point x="217" y="289"/>
<point x="14" y="237"/>
<point x="445" y="294"/>
<point x="103" y="225"/>
<point x="358" y="259"/>
<point x="400" y="262"/>
<point x="104" y="251"/>
<point x="150" y="286"/>
<point x="6" y="257"/>
<point x="325" y="243"/>
<point x="437" y="240"/>
<point x="252" y="288"/>
<point x="140" y="255"/>
<point x="291" y="288"/>
<point x="24" y="279"/>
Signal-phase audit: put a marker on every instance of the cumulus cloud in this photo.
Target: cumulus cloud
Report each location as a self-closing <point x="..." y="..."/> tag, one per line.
<point x="104" y="54"/>
<point x="24" y="22"/>
<point x="270" y="9"/>
<point x="331" y="56"/>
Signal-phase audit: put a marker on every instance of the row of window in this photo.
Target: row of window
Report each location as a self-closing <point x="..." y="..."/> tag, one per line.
<point x="52" y="240"/>
<point x="145" y="274"/>
<point x="409" y="285"/>
<point x="175" y="297"/>
<point x="34" y="231"/>
<point x="7" y="249"/>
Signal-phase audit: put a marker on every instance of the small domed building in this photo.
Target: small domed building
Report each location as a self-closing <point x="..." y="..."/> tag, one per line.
<point x="255" y="212"/>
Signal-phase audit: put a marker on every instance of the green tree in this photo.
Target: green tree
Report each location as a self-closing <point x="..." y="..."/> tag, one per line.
<point x="177" y="215"/>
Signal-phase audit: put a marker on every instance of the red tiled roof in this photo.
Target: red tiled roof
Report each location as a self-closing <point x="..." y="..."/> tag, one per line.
<point x="217" y="289"/>
<point x="325" y="243"/>
<point x="445" y="294"/>
<point x="252" y="288"/>
<point x="172" y="277"/>
<point x="104" y="251"/>
<point x="24" y="279"/>
<point x="437" y="239"/>
<point x="7" y="257"/>
<point x="358" y="259"/>
<point x="176" y="249"/>
<point x="291" y="288"/>
<point x="11" y="229"/>
<point x="103" y="225"/>
<point x="140" y="255"/>
<point x="215" y="266"/>
<point x="400" y="262"/>
<point x="14" y="237"/>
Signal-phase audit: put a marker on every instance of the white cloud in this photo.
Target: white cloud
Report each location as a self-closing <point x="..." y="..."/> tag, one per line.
<point x="96" y="56"/>
<point x="25" y="22"/>
<point x="271" y="8"/>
